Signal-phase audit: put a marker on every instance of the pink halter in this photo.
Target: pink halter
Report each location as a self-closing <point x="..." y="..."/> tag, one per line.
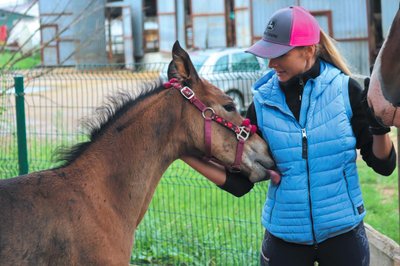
<point x="242" y="132"/>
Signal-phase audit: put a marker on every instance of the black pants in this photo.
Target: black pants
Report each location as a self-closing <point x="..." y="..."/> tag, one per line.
<point x="348" y="249"/>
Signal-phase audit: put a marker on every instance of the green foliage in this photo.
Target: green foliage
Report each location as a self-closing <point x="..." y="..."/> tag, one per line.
<point x="41" y="153"/>
<point x="381" y="197"/>
<point x="26" y="63"/>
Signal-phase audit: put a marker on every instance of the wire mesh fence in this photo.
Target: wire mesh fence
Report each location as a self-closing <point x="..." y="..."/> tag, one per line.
<point x="190" y="221"/>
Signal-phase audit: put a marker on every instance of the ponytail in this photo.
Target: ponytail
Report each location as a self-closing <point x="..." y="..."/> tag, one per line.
<point x="328" y="51"/>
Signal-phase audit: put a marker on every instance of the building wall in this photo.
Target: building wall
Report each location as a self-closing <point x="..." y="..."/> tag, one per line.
<point x="346" y="21"/>
<point x="209" y="25"/>
<point x="166" y="12"/>
<point x="73" y="32"/>
<point x="389" y="9"/>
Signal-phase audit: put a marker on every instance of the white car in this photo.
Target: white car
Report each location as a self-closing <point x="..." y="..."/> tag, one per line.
<point x="230" y="69"/>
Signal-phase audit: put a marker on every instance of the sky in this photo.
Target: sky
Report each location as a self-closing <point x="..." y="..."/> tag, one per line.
<point x="11" y="2"/>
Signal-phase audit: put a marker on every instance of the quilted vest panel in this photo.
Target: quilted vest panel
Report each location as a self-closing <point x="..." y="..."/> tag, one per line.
<point x="319" y="194"/>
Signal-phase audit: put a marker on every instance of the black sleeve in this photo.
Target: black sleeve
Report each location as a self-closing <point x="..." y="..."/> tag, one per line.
<point x="363" y="136"/>
<point x="236" y="183"/>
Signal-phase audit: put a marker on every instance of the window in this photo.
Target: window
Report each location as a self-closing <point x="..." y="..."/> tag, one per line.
<point x="222" y="64"/>
<point x="244" y="62"/>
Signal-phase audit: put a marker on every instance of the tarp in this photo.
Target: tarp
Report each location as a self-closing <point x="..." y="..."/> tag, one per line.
<point x="3" y="34"/>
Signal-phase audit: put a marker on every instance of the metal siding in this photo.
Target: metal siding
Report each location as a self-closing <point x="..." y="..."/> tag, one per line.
<point x="90" y="32"/>
<point x="209" y="32"/>
<point x="166" y="25"/>
<point x="349" y="21"/>
<point x="209" y="26"/>
<point x="167" y="32"/>
<point x="389" y="9"/>
<point x="349" y="17"/>
<point x="52" y="7"/>
<point x="262" y="10"/>
<point x="356" y="53"/>
<point x="50" y="56"/>
<point x="137" y="27"/>
<point x="242" y="3"/>
<point x="204" y="7"/>
<point x="82" y="23"/>
<point x="66" y="56"/>
<point x="242" y="23"/>
<point x="181" y="25"/>
<point x="128" y="39"/>
<point x="323" y="23"/>
<point x="165" y="6"/>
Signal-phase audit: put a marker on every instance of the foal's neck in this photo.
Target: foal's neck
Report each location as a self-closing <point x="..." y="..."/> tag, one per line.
<point x="134" y="152"/>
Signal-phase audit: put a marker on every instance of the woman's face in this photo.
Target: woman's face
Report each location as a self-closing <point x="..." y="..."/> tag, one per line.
<point x="294" y="62"/>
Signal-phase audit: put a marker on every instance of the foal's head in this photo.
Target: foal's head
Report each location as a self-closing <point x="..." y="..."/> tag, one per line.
<point x="216" y="104"/>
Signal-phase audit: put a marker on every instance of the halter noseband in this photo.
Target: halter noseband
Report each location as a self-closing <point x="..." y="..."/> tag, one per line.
<point x="242" y="132"/>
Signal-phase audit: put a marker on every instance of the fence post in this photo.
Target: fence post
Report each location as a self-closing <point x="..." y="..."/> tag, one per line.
<point x="21" y="127"/>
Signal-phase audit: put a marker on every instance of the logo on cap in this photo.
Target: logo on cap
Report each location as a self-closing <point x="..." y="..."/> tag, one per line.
<point x="271" y="25"/>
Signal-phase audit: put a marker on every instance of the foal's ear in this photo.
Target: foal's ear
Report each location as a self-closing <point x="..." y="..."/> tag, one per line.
<point x="181" y="66"/>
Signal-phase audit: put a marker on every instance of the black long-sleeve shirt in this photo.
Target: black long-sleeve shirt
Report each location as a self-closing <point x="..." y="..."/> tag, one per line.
<point x="293" y="90"/>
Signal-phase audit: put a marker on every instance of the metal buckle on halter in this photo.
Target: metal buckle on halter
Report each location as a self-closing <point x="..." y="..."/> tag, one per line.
<point x="187" y="92"/>
<point x="243" y="133"/>
<point x="209" y="109"/>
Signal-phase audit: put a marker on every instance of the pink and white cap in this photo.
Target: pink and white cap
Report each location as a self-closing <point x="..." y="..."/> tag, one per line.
<point x="288" y="28"/>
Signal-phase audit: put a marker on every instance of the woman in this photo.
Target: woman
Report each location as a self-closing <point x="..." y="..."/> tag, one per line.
<point x="313" y="117"/>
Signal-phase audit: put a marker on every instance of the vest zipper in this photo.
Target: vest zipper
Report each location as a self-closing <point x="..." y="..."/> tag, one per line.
<point x="304" y="148"/>
<point x="305" y="156"/>
<point x="301" y="83"/>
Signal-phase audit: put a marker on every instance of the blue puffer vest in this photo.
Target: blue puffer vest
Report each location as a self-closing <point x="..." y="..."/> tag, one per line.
<point x="319" y="195"/>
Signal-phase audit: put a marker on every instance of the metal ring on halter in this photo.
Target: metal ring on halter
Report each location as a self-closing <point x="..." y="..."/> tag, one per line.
<point x="203" y="113"/>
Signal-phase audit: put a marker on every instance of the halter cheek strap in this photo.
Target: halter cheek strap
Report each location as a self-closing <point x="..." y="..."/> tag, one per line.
<point x="242" y="132"/>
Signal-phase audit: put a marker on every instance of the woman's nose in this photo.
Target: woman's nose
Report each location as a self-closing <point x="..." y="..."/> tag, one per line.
<point x="272" y="63"/>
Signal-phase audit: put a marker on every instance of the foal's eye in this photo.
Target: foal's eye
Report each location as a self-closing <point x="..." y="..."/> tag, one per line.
<point x="230" y="107"/>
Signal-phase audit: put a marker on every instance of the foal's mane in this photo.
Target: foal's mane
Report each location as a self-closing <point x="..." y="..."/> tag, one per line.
<point x="114" y="107"/>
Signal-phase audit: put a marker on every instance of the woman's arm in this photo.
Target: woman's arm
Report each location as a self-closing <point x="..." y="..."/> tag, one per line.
<point x="234" y="183"/>
<point x="382" y="146"/>
<point x="214" y="172"/>
<point x="375" y="146"/>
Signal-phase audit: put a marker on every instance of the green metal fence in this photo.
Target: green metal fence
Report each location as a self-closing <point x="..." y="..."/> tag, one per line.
<point x="189" y="222"/>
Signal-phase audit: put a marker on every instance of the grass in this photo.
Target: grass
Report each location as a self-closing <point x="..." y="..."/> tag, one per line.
<point x="381" y="197"/>
<point x="27" y="63"/>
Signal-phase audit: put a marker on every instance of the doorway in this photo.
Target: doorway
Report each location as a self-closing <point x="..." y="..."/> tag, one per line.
<point x="230" y="23"/>
<point x="375" y="29"/>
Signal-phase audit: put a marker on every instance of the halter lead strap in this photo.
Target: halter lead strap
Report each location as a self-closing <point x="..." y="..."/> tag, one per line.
<point x="242" y="132"/>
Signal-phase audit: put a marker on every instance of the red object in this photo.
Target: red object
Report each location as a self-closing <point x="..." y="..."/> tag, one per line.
<point x="3" y="33"/>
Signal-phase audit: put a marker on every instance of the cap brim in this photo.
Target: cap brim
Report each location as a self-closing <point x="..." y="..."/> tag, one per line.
<point x="268" y="50"/>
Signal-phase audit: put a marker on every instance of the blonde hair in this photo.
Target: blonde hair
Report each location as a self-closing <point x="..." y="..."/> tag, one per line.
<point x="327" y="50"/>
